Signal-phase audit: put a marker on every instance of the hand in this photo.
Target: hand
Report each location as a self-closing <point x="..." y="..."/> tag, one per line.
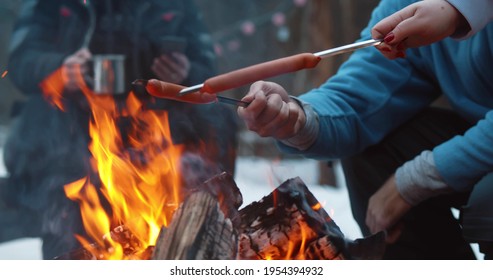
<point x="172" y="68"/>
<point x="271" y="111"/>
<point x="385" y="208"/>
<point x="416" y="25"/>
<point x="75" y="69"/>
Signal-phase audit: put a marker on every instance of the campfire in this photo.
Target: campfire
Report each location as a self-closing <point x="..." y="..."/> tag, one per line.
<point x="142" y="202"/>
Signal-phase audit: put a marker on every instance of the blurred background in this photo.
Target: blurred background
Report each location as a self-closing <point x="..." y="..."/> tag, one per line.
<point x="245" y="32"/>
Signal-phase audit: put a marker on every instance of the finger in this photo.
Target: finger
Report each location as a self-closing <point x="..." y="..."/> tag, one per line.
<point x="394" y="233"/>
<point x="292" y="122"/>
<point x="387" y="51"/>
<point x="269" y="112"/>
<point x="180" y="58"/>
<point x="84" y="53"/>
<point x="374" y="221"/>
<point x="250" y="97"/>
<point x="169" y="62"/>
<point x="251" y="94"/>
<point x="84" y="69"/>
<point x="160" y="68"/>
<point x="369" y="221"/>
<point x="273" y="116"/>
<point x="183" y="63"/>
<point x="388" y="24"/>
<point x="258" y="96"/>
<point x="393" y="52"/>
<point x="258" y="102"/>
<point x="71" y="72"/>
<point x="399" y="50"/>
<point x="406" y="30"/>
<point x="271" y="88"/>
<point x="69" y="76"/>
<point x="174" y="70"/>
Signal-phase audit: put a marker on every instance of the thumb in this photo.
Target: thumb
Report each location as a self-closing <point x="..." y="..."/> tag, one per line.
<point x="270" y="88"/>
<point x="255" y="88"/>
<point x="407" y="29"/>
<point x="84" y="53"/>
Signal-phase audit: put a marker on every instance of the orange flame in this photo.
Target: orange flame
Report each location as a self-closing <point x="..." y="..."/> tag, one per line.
<point x="317" y="206"/>
<point x="138" y="171"/>
<point x="288" y="242"/>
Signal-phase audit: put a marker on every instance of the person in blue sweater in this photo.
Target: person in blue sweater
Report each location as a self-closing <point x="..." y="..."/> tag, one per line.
<point x="48" y="148"/>
<point x="406" y="162"/>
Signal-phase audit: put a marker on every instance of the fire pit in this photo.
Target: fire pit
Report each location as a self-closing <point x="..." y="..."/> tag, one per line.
<point x="289" y="223"/>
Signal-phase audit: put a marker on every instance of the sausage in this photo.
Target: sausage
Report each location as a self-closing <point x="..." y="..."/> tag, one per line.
<point x="260" y="71"/>
<point x="166" y="90"/>
<point x="233" y="79"/>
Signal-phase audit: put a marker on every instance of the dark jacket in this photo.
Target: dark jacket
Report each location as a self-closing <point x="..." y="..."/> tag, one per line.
<point x="48" y="31"/>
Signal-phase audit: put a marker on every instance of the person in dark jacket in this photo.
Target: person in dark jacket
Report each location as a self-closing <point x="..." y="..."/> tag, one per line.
<point x="48" y="148"/>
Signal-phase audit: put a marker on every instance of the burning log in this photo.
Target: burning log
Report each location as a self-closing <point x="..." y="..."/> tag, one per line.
<point x="203" y="226"/>
<point x="291" y="224"/>
<point x="132" y="248"/>
<point x="199" y="231"/>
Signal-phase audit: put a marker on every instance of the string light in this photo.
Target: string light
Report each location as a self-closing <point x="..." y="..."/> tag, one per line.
<point x="229" y="36"/>
<point x="278" y="19"/>
<point x="248" y="28"/>
<point x="300" y="3"/>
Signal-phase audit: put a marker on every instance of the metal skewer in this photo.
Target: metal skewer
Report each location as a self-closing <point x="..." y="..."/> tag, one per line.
<point x="92" y="26"/>
<point x="232" y="101"/>
<point x="321" y="54"/>
<point x="348" y="48"/>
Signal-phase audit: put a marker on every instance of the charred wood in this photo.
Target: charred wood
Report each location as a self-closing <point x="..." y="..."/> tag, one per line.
<point x="131" y="246"/>
<point x="202" y="227"/>
<point x="199" y="231"/>
<point x="290" y="223"/>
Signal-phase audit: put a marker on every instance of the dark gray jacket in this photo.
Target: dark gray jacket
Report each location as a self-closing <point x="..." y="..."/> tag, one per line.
<point x="47" y="32"/>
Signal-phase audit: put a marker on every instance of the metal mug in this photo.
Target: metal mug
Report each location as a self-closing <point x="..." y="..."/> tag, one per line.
<point x="109" y="73"/>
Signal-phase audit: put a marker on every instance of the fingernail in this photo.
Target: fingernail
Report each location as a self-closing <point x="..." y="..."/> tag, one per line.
<point x="389" y="37"/>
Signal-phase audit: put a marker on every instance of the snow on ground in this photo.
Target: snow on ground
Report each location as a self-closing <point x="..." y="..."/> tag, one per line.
<point x="257" y="177"/>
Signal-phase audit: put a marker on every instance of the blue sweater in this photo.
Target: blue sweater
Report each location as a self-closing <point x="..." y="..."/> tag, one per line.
<point x="371" y="95"/>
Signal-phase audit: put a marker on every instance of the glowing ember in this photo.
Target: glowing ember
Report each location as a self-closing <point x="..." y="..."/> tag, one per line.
<point x="317" y="207"/>
<point x="292" y="248"/>
<point x="138" y="171"/>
